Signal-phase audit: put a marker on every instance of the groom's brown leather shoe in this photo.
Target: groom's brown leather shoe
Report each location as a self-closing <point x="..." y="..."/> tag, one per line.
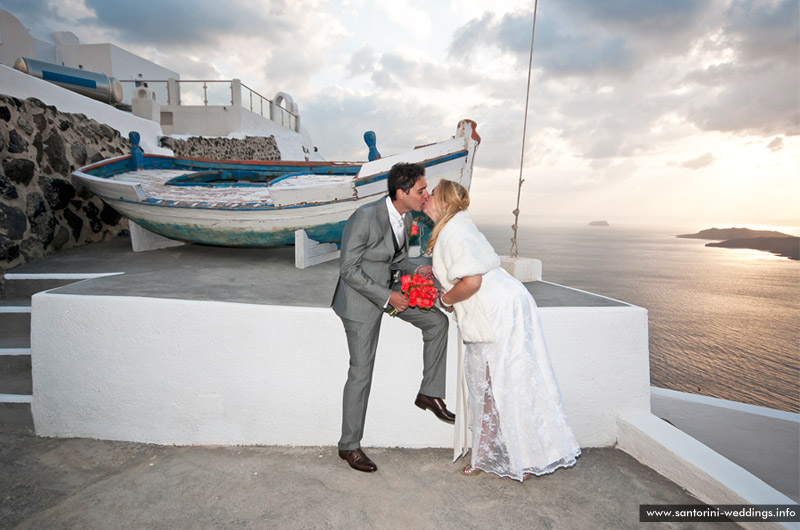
<point x="358" y="460"/>
<point x="437" y="406"/>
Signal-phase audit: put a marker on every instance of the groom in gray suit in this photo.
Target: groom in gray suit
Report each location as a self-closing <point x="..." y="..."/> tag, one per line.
<point x="375" y="246"/>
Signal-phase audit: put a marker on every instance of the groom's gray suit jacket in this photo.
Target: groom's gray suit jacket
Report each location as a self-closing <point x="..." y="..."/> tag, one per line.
<point x="368" y="258"/>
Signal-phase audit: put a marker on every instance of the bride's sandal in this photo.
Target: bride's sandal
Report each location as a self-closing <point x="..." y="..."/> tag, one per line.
<point x="470" y="471"/>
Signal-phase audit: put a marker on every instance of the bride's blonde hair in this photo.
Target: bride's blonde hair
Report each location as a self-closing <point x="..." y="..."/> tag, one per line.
<point x="452" y="198"/>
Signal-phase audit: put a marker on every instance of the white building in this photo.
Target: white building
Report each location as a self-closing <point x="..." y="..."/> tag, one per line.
<point x="189" y="107"/>
<point x="65" y="49"/>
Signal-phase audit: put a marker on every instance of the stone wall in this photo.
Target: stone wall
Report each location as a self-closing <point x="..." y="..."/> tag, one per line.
<point x="250" y="148"/>
<point x="40" y="209"/>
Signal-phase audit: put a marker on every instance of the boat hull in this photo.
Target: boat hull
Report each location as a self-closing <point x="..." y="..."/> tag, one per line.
<point x="252" y="228"/>
<point x="260" y="204"/>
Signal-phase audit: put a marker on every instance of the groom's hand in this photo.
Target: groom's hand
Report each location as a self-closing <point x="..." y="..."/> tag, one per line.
<point x="398" y="301"/>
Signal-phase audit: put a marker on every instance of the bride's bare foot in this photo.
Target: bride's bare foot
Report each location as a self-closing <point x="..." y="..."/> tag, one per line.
<point x="470" y="471"/>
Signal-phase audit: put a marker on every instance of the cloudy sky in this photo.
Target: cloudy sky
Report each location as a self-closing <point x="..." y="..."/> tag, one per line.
<point x="684" y="112"/>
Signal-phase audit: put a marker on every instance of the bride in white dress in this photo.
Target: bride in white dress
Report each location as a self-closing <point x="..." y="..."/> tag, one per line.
<point x="518" y="423"/>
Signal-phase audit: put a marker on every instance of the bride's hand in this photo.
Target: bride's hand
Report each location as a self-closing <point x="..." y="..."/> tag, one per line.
<point x="446" y="307"/>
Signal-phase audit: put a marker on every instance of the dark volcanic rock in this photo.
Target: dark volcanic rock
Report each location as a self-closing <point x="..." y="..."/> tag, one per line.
<point x="12" y="221"/>
<point x="109" y="215"/>
<point x="56" y="153"/>
<point x="5" y="114"/>
<point x="16" y="143"/>
<point x="32" y="248"/>
<point x="93" y="215"/>
<point x="60" y="238"/>
<point x="38" y="145"/>
<point x="7" y="189"/>
<point x="9" y="251"/>
<point x="78" y="152"/>
<point x="96" y="156"/>
<point x="57" y="192"/>
<point x="43" y="224"/>
<point x="24" y="126"/>
<point x="109" y="133"/>
<point x="75" y="223"/>
<point x="19" y="170"/>
<point x="40" y="121"/>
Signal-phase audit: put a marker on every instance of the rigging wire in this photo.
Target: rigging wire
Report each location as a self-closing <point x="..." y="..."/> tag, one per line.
<point x="514" y="249"/>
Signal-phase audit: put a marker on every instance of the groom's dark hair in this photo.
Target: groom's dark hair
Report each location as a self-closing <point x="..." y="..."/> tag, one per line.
<point x="403" y="176"/>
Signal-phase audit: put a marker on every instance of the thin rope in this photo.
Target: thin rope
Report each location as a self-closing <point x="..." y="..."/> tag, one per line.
<point x="514" y="249"/>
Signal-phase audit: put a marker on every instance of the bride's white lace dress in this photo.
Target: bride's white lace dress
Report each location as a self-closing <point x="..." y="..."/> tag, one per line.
<point x="515" y="411"/>
<point x="516" y="415"/>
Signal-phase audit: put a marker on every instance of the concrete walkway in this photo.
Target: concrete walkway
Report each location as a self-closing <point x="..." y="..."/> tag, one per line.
<point x="82" y="484"/>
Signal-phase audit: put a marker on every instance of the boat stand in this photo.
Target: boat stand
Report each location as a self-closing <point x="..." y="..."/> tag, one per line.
<point x="308" y="252"/>
<point x="143" y="240"/>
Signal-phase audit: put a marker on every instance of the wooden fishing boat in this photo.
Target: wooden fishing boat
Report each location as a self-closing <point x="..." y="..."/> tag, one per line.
<point x="260" y="203"/>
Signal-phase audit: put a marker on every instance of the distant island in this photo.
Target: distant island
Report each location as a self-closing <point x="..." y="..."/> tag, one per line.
<point x="598" y="223"/>
<point x="721" y="234"/>
<point x="767" y="240"/>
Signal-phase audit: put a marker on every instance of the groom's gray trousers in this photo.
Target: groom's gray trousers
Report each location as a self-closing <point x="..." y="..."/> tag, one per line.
<point x="362" y="341"/>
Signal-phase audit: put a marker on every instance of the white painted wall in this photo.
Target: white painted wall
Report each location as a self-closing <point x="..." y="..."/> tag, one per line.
<point x="126" y="65"/>
<point x="190" y="372"/>
<point x="706" y="474"/>
<point x="759" y="439"/>
<point x="15" y="41"/>
<point x="23" y="86"/>
<point x="91" y="57"/>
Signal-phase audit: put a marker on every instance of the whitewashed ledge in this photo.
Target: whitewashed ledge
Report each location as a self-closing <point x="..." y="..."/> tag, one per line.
<point x="173" y="371"/>
<point x="198" y="345"/>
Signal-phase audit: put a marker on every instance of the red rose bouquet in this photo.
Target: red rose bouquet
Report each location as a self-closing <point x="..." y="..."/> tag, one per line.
<point x="419" y="290"/>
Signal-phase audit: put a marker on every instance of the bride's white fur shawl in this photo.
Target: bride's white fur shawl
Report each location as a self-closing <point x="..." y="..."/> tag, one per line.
<point x="461" y="250"/>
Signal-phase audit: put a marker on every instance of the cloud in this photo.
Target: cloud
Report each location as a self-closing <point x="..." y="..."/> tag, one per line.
<point x="776" y="144"/>
<point x="754" y="91"/>
<point x="764" y="30"/>
<point x="647" y="53"/>
<point x="43" y="17"/>
<point x="362" y="62"/>
<point x="586" y="38"/>
<point x="759" y="99"/>
<point x="191" y="23"/>
<point x="700" y="162"/>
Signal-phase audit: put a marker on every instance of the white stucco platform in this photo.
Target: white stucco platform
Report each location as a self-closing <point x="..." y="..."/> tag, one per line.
<point x="175" y="371"/>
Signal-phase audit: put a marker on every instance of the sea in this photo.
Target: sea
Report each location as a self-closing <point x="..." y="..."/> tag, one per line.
<point x="723" y="322"/>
